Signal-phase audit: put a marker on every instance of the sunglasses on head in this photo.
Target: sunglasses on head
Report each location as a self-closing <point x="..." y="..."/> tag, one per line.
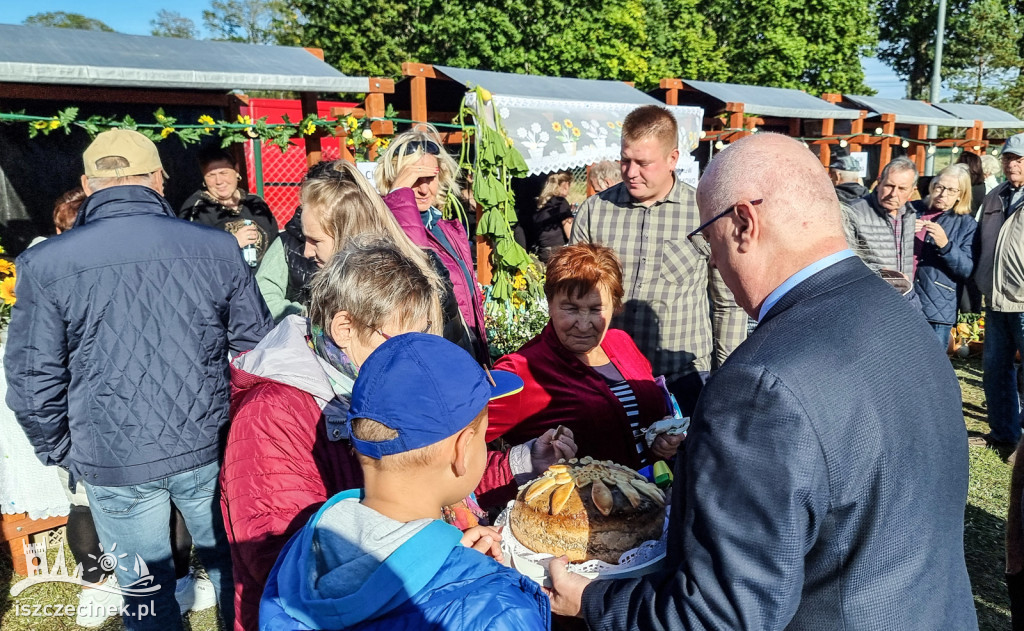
<point x="427" y="146"/>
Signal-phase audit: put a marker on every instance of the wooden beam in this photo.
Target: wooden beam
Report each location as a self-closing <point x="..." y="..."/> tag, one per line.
<point x="382" y="85"/>
<point x="412" y="69"/>
<point x="316" y="52"/>
<point x="671" y="84"/>
<point x="735" y="111"/>
<point x="82" y="94"/>
<point x="888" y="127"/>
<point x="920" y="132"/>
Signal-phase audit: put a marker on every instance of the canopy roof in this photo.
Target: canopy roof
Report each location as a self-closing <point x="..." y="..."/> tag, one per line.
<point x="908" y="112"/>
<point x="782" y="102"/>
<point x="541" y="87"/>
<point x="563" y="123"/>
<point x="990" y="117"/>
<point x="59" y="56"/>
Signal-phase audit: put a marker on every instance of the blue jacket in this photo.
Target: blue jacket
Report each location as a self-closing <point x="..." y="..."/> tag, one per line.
<point x="941" y="270"/>
<point x="430" y="582"/>
<point x="823" y="482"/>
<point x="117" y="354"/>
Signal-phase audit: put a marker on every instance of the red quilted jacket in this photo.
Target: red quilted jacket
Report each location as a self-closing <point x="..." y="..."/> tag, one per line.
<point x="280" y="464"/>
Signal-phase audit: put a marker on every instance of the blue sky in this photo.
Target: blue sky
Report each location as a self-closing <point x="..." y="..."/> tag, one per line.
<point x="127" y="16"/>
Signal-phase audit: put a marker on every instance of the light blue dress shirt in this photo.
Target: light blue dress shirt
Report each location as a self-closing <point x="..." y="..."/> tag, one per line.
<point x="800" y="277"/>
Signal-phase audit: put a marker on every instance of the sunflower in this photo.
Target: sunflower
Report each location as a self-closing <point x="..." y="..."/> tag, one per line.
<point x="556" y="126"/>
<point x="6" y="267"/>
<point x="610" y="124"/>
<point x="7" y="290"/>
<point x="576" y="132"/>
<point x="568" y="123"/>
<point x="166" y="131"/>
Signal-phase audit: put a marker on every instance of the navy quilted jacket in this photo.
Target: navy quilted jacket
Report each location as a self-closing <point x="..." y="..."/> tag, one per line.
<point x="941" y="270"/>
<point x="117" y="355"/>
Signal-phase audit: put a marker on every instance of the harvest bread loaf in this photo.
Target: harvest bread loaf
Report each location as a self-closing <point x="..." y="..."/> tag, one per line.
<point x="588" y="509"/>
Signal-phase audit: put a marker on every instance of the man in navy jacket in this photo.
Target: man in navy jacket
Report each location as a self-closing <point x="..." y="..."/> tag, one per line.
<point x="824" y="480"/>
<point x="117" y="367"/>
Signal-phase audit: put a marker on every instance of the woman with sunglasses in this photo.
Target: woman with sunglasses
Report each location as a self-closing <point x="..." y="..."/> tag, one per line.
<point x="943" y="254"/>
<point x="418" y="175"/>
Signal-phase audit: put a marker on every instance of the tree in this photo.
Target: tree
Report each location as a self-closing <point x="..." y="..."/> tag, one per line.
<point x="61" y="19"/>
<point x="173" y="24"/>
<point x="991" y="31"/>
<point x="249" y="21"/>
<point x="907" y="33"/>
<point x="814" y="45"/>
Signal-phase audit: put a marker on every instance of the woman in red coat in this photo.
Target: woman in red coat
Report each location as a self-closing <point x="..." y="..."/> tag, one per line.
<point x="578" y="372"/>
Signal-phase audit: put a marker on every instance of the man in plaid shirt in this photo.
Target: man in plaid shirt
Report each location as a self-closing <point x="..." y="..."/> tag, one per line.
<point x="677" y="308"/>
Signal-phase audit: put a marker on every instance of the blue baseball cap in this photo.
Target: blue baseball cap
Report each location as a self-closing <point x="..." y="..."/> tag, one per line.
<point x="425" y="388"/>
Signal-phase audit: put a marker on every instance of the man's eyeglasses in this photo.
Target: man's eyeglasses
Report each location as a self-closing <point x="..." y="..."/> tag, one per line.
<point x="427" y="146"/>
<point x="696" y="238"/>
<point x="939" y="189"/>
<point x="386" y="337"/>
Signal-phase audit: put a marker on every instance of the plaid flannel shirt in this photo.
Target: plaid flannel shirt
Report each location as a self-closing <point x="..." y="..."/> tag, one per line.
<point x="676" y="307"/>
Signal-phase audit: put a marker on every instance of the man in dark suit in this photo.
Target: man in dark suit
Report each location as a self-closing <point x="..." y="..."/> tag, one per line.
<point x="823" y="483"/>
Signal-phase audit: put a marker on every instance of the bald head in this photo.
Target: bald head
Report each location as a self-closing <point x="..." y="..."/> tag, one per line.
<point x="759" y="244"/>
<point x="798" y="195"/>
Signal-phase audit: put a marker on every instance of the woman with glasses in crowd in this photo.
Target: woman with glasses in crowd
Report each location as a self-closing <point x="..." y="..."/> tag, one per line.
<point x="417" y="177"/>
<point x="287" y="449"/>
<point x="943" y="254"/>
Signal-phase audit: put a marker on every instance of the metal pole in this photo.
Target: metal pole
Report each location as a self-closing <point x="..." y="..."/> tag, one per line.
<point x="257" y="163"/>
<point x="940" y="31"/>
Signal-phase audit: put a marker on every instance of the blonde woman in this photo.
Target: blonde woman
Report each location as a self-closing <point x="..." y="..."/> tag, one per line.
<point x="340" y="204"/>
<point x="416" y="175"/>
<point x="552" y="222"/>
<point x="943" y="254"/>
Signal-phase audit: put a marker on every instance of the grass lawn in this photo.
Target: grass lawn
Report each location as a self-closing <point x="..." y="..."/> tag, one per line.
<point x="984" y="517"/>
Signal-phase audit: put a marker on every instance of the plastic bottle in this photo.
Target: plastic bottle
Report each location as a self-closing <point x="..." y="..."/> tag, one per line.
<point x="249" y="252"/>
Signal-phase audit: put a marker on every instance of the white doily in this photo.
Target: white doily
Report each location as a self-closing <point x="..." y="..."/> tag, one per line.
<point x="645" y="558"/>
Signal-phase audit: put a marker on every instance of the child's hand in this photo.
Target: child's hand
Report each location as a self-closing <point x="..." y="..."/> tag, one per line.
<point x="484" y="539"/>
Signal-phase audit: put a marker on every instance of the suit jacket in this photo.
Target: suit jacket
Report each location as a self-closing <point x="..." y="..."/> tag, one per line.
<point x="824" y="480"/>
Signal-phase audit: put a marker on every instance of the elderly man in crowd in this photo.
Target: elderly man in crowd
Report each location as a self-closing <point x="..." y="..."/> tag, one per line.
<point x="807" y="496"/>
<point x="604" y="175"/>
<point x="844" y="171"/>
<point x="117" y="366"/>
<point x="882" y="223"/>
<point x="667" y="283"/>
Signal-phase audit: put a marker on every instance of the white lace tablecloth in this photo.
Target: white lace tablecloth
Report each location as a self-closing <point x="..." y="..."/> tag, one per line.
<point x="26" y="486"/>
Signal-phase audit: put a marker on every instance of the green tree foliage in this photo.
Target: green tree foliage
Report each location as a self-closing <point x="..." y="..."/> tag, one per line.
<point x="61" y="19"/>
<point x="173" y="24"/>
<point x="907" y="30"/>
<point x="815" y="45"/>
<point x="630" y="40"/>
<point x="248" y="21"/>
<point x="992" y="32"/>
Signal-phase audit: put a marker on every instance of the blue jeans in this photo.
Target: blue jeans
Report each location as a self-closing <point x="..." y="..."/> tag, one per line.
<point x="132" y="522"/>
<point x="1004" y="336"/>
<point x="942" y="330"/>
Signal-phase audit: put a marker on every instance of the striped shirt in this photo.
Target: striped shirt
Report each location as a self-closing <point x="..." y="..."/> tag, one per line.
<point x="620" y="388"/>
<point x="676" y="308"/>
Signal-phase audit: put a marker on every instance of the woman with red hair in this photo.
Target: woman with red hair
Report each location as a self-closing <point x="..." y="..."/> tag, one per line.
<point x="580" y="373"/>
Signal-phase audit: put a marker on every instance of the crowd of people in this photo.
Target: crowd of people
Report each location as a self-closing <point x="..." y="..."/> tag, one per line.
<point x="314" y="411"/>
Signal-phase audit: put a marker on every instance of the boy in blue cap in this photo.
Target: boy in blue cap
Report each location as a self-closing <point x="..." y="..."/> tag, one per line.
<point x="382" y="557"/>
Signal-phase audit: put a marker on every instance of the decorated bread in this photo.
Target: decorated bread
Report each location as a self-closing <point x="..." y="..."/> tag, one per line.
<point x="588" y="509"/>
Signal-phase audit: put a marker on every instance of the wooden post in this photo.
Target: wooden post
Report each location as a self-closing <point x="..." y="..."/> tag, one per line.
<point x="888" y="127"/>
<point x="376" y="107"/>
<point x="235" y="106"/>
<point x="313" y="147"/>
<point x="418" y="88"/>
<point x="857" y="127"/>
<point x="735" y="111"/>
<point x="920" y="133"/>
<point x="827" y="129"/>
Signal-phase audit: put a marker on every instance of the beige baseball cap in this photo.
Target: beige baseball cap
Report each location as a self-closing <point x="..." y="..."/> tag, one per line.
<point x="133" y="147"/>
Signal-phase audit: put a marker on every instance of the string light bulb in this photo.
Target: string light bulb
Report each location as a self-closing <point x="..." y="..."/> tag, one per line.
<point x="955" y="150"/>
<point x="904" y="144"/>
<point x="931" y="149"/>
<point x="753" y="130"/>
<point x="703" y="134"/>
<point x="976" y="147"/>
<point x="843" y="143"/>
<point x="719" y="145"/>
<point x="878" y="131"/>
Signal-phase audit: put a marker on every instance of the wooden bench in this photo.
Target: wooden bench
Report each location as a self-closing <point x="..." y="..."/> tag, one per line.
<point x="15" y="531"/>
